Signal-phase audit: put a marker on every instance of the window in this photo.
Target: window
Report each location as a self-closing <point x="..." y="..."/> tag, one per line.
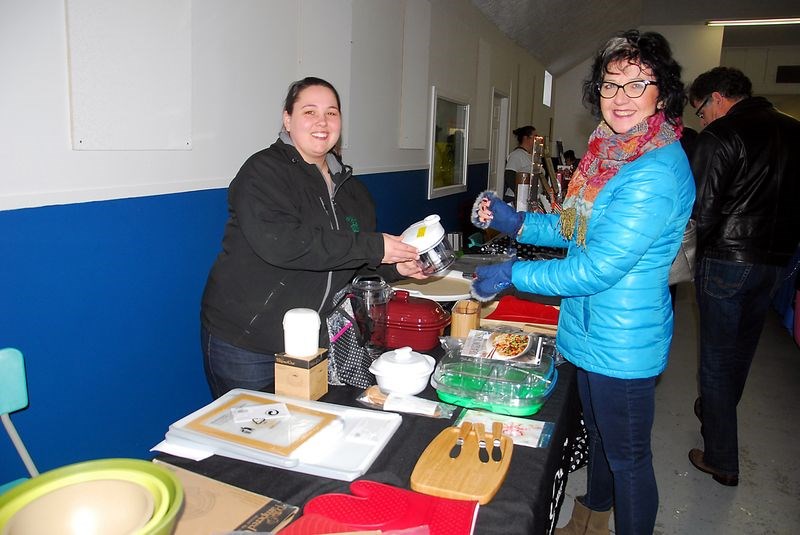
<point x="548" y="88"/>
<point x="449" y="127"/>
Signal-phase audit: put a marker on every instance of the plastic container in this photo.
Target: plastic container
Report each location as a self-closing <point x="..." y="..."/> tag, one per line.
<point x="414" y="321"/>
<point x="435" y="251"/>
<point x="402" y="371"/>
<point x="498" y="386"/>
<point x="301" y="332"/>
<point x="372" y="297"/>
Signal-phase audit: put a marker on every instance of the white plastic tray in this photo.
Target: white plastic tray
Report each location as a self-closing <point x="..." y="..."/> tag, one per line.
<point x="344" y="449"/>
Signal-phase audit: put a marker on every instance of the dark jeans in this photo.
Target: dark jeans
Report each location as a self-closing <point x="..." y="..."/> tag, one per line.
<point x="228" y="366"/>
<point x="618" y="414"/>
<point x="733" y="299"/>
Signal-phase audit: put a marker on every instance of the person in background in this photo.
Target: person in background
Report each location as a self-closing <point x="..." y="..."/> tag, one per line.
<point x="570" y="159"/>
<point x="519" y="161"/>
<point x="622" y="222"/>
<point x="746" y="161"/>
<point x="572" y="162"/>
<point x="299" y="227"/>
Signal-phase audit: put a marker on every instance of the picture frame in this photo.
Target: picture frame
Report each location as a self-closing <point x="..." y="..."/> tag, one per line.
<point x="449" y="141"/>
<point x="281" y="436"/>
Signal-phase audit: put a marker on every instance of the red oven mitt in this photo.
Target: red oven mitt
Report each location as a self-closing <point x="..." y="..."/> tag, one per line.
<point x="378" y="506"/>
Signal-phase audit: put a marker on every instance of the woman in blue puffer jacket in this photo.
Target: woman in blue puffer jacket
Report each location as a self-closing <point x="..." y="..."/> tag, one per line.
<point x="622" y="222"/>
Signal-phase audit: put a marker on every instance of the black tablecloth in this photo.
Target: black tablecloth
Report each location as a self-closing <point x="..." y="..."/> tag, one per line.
<point x="527" y="502"/>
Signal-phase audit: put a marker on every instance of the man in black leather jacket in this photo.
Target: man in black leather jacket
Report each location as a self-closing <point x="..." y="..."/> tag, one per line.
<point x="746" y="163"/>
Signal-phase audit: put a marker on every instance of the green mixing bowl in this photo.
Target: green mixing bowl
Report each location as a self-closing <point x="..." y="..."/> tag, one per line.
<point x="153" y="492"/>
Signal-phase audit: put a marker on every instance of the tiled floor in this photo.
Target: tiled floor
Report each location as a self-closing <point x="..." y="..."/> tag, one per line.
<point x="767" y="500"/>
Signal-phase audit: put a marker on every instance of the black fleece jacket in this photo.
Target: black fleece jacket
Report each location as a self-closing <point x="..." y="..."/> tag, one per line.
<point x="287" y="244"/>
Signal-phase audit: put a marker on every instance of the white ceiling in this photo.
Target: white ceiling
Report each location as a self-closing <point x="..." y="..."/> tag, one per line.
<point x="562" y="33"/>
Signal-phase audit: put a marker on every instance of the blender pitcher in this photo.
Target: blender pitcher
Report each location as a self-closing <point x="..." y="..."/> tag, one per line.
<point x="372" y="295"/>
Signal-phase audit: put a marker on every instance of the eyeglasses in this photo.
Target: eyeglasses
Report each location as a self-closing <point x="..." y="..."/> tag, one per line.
<point x="699" y="111"/>
<point x="634" y="89"/>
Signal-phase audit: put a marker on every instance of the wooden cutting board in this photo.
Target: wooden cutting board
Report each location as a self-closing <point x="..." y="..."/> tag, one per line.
<point x="465" y="477"/>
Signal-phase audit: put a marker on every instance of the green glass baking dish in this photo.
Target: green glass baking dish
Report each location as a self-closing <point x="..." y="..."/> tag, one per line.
<point x="502" y="387"/>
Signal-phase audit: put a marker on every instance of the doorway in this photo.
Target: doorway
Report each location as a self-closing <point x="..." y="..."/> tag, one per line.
<point x="498" y="142"/>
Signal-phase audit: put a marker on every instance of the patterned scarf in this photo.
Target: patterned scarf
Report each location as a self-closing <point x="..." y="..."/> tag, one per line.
<point x="606" y="154"/>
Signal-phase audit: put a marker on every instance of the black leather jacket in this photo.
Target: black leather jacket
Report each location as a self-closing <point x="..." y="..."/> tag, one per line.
<point x="747" y="168"/>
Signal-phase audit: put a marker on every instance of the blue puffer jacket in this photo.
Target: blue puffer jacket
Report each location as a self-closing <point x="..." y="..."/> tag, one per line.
<point x="616" y="315"/>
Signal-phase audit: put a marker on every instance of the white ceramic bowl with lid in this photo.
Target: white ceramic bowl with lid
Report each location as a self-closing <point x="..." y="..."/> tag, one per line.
<point x="403" y="371"/>
<point x="428" y="236"/>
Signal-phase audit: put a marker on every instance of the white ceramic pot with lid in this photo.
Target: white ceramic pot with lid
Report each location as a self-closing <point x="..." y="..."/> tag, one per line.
<point x="428" y="236"/>
<point x="403" y="371"/>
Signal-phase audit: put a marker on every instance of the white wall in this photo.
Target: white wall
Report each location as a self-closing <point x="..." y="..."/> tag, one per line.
<point x="243" y="56"/>
<point x="761" y="65"/>
<point x="696" y="48"/>
<point x="572" y="123"/>
<point x="461" y="39"/>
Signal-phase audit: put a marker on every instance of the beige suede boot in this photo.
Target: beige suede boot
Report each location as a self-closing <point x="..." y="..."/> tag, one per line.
<point x="584" y="521"/>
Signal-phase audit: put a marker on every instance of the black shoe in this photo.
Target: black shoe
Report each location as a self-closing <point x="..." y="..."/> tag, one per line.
<point x="696" y="458"/>
<point x="698" y="410"/>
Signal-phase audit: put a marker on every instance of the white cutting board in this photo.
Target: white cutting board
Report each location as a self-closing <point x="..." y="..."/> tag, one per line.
<point x="449" y="285"/>
<point x="344" y="449"/>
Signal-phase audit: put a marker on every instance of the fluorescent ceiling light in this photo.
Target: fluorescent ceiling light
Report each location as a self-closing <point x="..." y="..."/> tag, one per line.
<point x="753" y="22"/>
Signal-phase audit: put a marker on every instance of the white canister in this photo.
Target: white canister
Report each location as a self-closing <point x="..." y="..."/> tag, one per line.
<point x="301" y="332"/>
<point x="435" y="251"/>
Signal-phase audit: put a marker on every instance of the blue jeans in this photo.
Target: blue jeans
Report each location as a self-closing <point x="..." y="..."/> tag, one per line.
<point x="618" y="414"/>
<point x="228" y="366"/>
<point x="733" y="299"/>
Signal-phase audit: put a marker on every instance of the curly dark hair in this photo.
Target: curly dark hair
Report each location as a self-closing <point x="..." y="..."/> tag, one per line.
<point x="648" y="49"/>
<point x="727" y="81"/>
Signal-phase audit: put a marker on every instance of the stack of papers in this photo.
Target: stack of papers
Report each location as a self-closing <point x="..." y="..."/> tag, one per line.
<point x="314" y="438"/>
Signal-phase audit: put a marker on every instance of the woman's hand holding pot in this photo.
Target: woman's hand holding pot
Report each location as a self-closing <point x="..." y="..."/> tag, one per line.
<point x="394" y="250"/>
<point x="410" y="269"/>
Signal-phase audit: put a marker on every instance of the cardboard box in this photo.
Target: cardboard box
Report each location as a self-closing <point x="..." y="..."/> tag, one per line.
<point x="301" y="377"/>
<point x="301" y="362"/>
<point x="212" y="507"/>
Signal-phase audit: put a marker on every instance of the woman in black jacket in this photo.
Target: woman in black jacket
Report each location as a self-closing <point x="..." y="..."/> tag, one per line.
<point x="299" y="227"/>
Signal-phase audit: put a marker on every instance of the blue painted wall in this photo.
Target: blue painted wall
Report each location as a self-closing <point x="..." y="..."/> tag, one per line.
<point x="103" y="300"/>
